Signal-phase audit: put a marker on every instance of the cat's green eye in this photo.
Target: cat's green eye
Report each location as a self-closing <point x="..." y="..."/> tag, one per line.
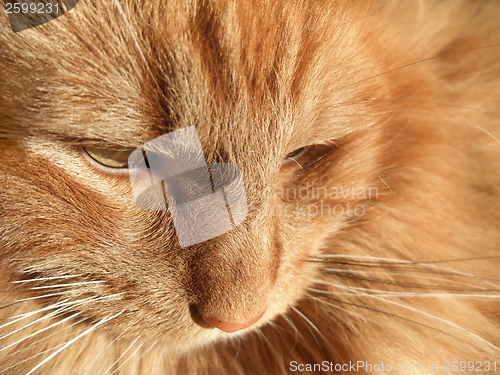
<point x="109" y="158"/>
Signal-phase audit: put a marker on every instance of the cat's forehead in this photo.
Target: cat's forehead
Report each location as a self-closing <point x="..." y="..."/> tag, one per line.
<point x="120" y="74"/>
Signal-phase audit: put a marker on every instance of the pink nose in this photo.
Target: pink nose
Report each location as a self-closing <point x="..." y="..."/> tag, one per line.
<point x="232" y="326"/>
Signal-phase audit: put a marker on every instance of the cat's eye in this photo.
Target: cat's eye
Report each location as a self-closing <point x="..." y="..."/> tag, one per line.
<point x="296" y="153"/>
<point x="305" y="156"/>
<point x="109" y="158"/>
<point x="296" y="157"/>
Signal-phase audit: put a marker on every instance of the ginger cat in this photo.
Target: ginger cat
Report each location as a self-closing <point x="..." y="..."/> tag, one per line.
<point x="367" y="134"/>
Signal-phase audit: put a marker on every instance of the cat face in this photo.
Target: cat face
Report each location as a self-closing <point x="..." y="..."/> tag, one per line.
<point x="97" y="81"/>
<point x="296" y="95"/>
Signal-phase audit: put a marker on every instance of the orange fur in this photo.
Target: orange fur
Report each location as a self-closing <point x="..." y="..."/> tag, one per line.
<point x="397" y="96"/>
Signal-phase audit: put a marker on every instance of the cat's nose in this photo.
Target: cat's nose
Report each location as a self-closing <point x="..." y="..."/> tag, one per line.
<point x="228" y="326"/>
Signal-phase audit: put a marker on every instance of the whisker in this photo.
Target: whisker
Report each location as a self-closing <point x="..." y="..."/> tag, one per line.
<point x="308" y="321"/>
<point x="130" y="356"/>
<point x="295" y="329"/>
<point x="422" y="61"/>
<point x="57" y="305"/>
<point x="30" y="358"/>
<point x="120" y="357"/>
<point x="405" y="284"/>
<point x="102" y="351"/>
<point x="343" y="309"/>
<point x="238" y="340"/>
<point x="333" y="270"/>
<point x="48" y="336"/>
<point x="51" y="286"/>
<point x="399" y="101"/>
<point x="41" y="319"/>
<point x="387" y="263"/>
<point x="26" y="315"/>
<point x="142" y="355"/>
<point x="349" y="274"/>
<point x="439" y="319"/>
<point x="316" y="298"/>
<point x="380" y="292"/>
<point x="395" y="260"/>
<point x="477" y="126"/>
<point x="275" y="327"/>
<point x="87" y="331"/>
<point x="399" y="317"/>
<point x="261" y="334"/>
<point x="65" y="285"/>
<point x="40" y="331"/>
<point x="42" y="279"/>
<point x="414" y="310"/>
<point x="32" y="298"/>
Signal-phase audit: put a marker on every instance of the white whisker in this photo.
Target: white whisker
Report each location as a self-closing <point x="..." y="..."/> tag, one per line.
<point x="61" y="310"/>
<point x="65" y="285"/>
<point x="87" y="331"/>
<point x="26" y="315"/>
<point x="48" y="336"/>
<point x="292" y="324"/>
<point x="57" y="305"/>
<point x="261" y="334"/>
<point x="425" y="264"/>
<point x="31" y="298"/>
<point x="129" y="27"/>
<point x="477" y="126"/>
<point x="43" y="279"/>
<point x="388" y="293"/>
<point x="145" y="352"/>
<point x="439" y="319"/>
<point x="50" y="286"/>
<point x="308" y="321"/>
<point x="30" y="358"/>
<point x="120" y="357"/>
<point x="40" y="331"/>
<point x="420" y="62"/>
<point x="130" y="356"/>
<point x="343" y="309"/>
<point x="102" y="351"/>
<point x="425" y="277"/>
<point x="420" y="312"/>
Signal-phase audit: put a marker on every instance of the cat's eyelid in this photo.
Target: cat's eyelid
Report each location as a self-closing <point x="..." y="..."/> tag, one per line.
<point x="106" y="158"/>
<point x="103" y="144"/>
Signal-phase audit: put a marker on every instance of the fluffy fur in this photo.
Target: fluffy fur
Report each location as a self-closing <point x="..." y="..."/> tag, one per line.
<point x="397" y="96"/>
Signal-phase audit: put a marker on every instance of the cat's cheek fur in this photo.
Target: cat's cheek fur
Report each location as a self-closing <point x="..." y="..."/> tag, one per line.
<point x="404" y="281"/>
<point x="177" y="279"/>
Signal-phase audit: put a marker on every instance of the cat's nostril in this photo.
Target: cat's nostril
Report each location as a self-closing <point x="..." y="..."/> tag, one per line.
<point x="228" y="326"/>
